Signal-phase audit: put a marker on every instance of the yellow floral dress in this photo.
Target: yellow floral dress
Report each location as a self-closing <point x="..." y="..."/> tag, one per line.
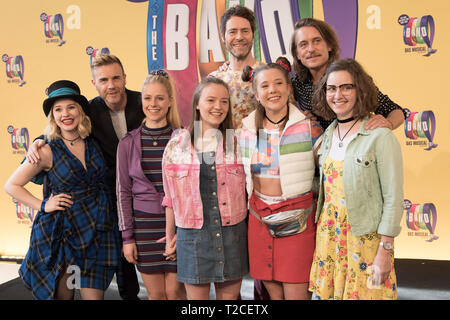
<point x="342" y="264"/>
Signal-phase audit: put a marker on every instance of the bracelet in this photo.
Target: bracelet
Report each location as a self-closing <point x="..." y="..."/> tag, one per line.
<point x="43" y="205"/>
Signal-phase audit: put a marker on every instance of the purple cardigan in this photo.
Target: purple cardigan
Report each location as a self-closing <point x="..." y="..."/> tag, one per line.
<point x="134" y="190"/>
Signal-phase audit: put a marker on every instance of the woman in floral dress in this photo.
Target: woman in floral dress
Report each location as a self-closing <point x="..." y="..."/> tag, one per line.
<point x="361" y="192"/>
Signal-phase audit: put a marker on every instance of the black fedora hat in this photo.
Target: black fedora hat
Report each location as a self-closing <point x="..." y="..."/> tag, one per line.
<point x="64" y="89"/>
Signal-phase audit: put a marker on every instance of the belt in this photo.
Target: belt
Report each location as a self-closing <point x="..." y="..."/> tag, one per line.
<point x="307" y="212"/>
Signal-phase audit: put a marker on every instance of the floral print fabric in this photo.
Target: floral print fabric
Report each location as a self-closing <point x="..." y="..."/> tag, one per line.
<point x="342" y="263"/>
<point x="242" y="98"/>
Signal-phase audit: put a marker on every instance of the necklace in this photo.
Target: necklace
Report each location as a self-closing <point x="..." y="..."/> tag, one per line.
<point x="275" y="123"/>
<point x="72" y="141"/>
<point x="155" y="140"/>
<point x="345" y="120"/>
<point x="339" y="134"/>
<point x="156" y="137"/>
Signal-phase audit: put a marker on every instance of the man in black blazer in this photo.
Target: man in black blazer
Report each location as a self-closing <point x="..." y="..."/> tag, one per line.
<point x="113" y="113"/>
<point x="116" y="110"/>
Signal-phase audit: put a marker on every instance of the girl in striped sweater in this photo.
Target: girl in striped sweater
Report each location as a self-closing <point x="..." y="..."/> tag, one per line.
<point x="140" y="189"/>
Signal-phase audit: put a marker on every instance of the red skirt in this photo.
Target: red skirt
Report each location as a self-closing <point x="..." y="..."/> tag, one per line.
<point x="284" y="259"/>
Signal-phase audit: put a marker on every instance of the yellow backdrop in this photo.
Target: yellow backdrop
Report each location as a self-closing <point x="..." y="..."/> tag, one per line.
<point x="47" y="40"/>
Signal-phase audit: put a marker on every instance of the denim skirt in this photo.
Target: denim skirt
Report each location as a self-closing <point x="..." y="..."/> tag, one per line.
<point x="213" y="253"/>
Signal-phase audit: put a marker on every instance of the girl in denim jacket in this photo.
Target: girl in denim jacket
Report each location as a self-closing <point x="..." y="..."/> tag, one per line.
<point x="361" y="191"/>
<point x="204" y="185"/>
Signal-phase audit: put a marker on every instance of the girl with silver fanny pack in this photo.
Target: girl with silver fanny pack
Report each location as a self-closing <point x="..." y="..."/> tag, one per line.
<point x="278" y="145"/>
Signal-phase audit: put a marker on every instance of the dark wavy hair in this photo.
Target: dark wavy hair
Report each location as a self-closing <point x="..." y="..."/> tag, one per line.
<point x="328" y="34"/>
<point x="366" y="91"/>
<point x="249" y="74"/>
<point x="237" y="11"/>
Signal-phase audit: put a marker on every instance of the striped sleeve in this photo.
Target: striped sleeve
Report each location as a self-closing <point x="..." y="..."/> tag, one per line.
<point x="124" y="193"/>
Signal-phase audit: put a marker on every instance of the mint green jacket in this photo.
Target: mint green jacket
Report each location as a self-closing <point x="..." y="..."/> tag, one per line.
<point x="373" y="180"/>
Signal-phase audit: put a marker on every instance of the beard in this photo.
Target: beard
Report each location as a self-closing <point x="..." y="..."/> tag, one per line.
<point x="117" y="100"/>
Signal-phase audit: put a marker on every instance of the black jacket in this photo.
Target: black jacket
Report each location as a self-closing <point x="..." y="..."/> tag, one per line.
<point x="103" y="129"/>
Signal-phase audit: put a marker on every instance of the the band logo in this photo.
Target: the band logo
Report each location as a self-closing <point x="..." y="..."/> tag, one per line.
<point x="421" y="218"/>
<point x="183" y="37"/>
<point x="14" y="69"/>
<point x="95" y="52"/>
<point x="418" y="31"/>
<point x="53" y="28"/>
<point x="24" y="213"/>
<point x="20" y="139"/>
<point x="420" y="125"/>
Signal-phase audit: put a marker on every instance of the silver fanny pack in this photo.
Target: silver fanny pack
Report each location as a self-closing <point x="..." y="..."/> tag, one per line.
<point x="285" y="223"/>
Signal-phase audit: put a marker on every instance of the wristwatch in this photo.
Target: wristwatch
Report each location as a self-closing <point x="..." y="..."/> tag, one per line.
<point x="387" y="245"/>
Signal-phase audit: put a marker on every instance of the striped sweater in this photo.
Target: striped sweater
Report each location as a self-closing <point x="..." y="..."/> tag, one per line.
<point x="298" y="140"/>
<point x="152" y="155"/>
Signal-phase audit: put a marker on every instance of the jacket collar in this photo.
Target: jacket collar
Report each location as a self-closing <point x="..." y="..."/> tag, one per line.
<point x="136" y="132"/>
<point x="295" y="116"/>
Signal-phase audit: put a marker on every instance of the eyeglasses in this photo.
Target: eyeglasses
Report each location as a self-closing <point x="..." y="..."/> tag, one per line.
<point x="345" y="89"/>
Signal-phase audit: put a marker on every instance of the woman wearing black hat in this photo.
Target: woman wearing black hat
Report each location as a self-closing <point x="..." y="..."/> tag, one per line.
<point x="75" y="241"/>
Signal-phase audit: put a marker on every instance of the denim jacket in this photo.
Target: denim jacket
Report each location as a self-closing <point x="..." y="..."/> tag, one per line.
<point x="181" y="179"/>
<point x="373" y="180"/>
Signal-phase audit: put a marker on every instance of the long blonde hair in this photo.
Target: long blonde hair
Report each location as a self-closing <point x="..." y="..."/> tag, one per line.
<point x="53" y="132"/>
<point x="172" y="116"/>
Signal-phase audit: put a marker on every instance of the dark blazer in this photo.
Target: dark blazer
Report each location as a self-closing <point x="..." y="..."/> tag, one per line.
<point x="103" y="129"/>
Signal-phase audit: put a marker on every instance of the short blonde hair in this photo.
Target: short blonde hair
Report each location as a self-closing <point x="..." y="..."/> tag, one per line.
<point x="173" y="117"/>
<point x="53" y="132"/>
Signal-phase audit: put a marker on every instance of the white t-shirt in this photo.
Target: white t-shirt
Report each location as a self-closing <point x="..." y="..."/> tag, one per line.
<point x="336" y="152"/>
<point x="119" y="122"/>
